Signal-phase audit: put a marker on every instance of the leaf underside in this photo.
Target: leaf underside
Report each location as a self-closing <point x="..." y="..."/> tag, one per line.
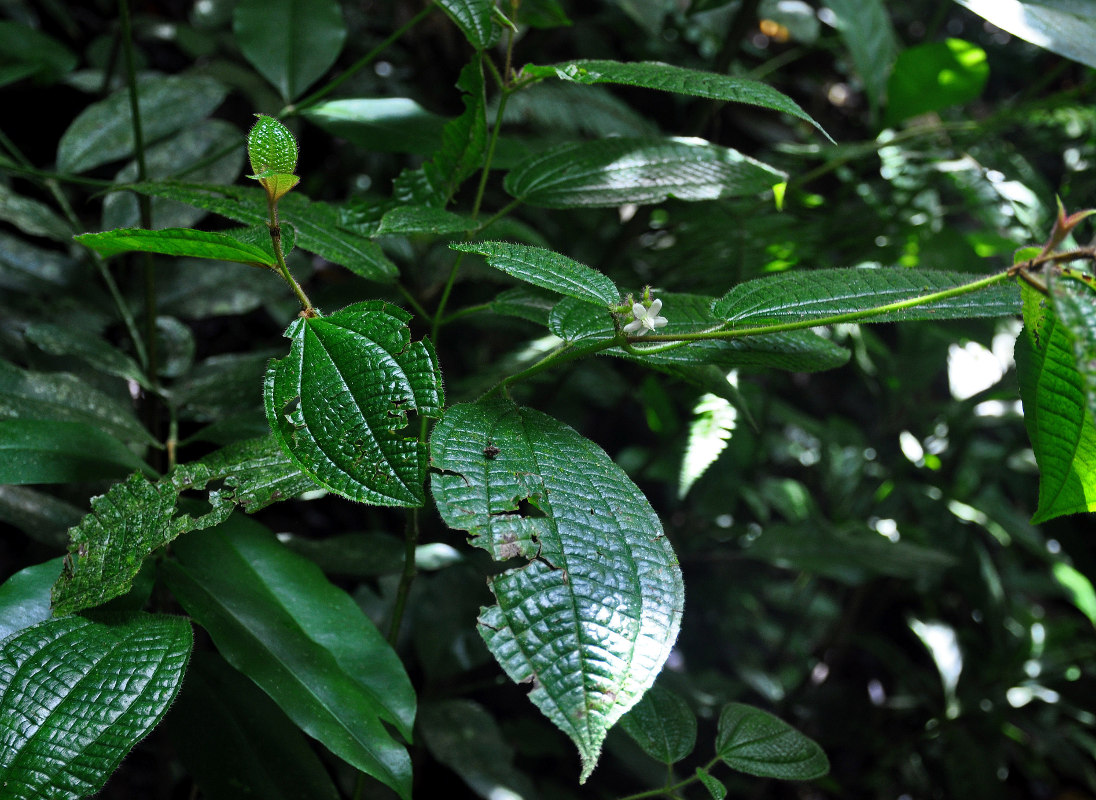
<point x="592" y="615"/>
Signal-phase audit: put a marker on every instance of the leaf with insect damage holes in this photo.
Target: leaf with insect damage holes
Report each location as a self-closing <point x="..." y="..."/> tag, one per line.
<point x="339" y="402"/>
<point x="591" y="614"/>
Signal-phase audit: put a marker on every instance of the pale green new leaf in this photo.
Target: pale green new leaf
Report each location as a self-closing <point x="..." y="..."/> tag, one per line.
<point x="663" y="725"/>
<point x="755" y="742"/>
<point x="276" y="618"/>
<point x="799" y="351"/>
<point x="103" y="131"/>
<point x="473" y="17"/>
<point x="803" y="295"/>
<point x="1067" y="31"/>
<point x="339" y="401"/>
<point x="590" y="615"/>
<point x="712" y="424"/>
<point x="617" y="170"/>
<point x="1059" y="423"/>
<point x="866" y="27"/>
<point x="292" y="43"/>
<point x="1075" y="305"/>
<point x="65" y="730"/>
<point x="546" y="269"/>
<point x="669" y="78"/>
<point x="184" y="242"/>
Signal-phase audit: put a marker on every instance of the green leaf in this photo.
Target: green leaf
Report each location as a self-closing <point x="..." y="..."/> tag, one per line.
<point x="715" y="788"/>
<point x="47" y="451"/>
<point x="799" y="351"/>
<point x="271" y="146"/>
<point x="1075" y="305"/>
<point x="68" y="398"/>
<point x="474" y="18"/>
<point x="65" y="730"/>
<point x="24" y="597"/>
<point x="617" y="170"/>
<point x="663" y="725"/>
<point x="820" y="293"/>
<point x="714" y="420"/>
<point x="232" y="738"/>
<point x="575" y="111"/>
<point x="31" y="216"/>
<point x="40" y="515"/>
<point x="1061" y="427"/>
<point x="103" y="131"/>
<point x="591" y="615"/>
<point x="175" y="242"/>
<point x="304" y="641"/>
<point x="547" y="270"/>
<point x="668" y="78"/>
<point x="34" y="53"/>
<point x="338" y="401"/>
<point x="755" y="742"/>
<point x="933" y="76"/>
<point x="866" y="27"/>
<point x="291" y="43"/>
<point x="26" y="268"/>
<point x="462" y="735"/>
<point x="381" y="124"/>
<point x="255" y="473"/>
<point x="405" y="220"/>
<point x="67" y="341"/>
<point x="1076" y="584"/>
<point x="525" y="302"/>
<point x="1067" y="31"/>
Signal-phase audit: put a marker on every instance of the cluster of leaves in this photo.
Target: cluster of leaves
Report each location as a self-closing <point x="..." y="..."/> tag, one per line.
<point x="848" y="528"/>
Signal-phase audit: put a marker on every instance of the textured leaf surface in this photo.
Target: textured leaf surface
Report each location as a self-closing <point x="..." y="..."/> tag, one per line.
<point x="546" y="269"/>
<point x="821" y="293"/>
<point x="176" y="242"/>
<point x="338" y="402"/>
<point x="230" y="735"/>
<point x="715" y="787"/>
<point x="462" y="735"/>
<point x="1067" y="31"/>
<point x="1075" y="305"/>
<point x="679" y="80"/>
<point x="663" y="725"/>
<point x="473" y="17"/>
<point x="422" y="219"/>
<point x="869" y="35"/>
<point x="610" y="172"/>
<point x="103" y="132"/>
<point x="41" y="451"/>
<point x="304" y="641"/>
<point x="799" y="351"/>
<point x="77" y="695"/>
<point x="292" y="43"/>
<point x="24" y="597"/>
<point x="1061" y="427"/>
<point x="591" y="616"/>
<point x="755" y="742"/>
<point x="316" y="224"/>
<point x="254" y="473"/>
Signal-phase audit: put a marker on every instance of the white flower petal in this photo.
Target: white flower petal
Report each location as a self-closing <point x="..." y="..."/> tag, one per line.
<point x="638" y="311"/>
<point x="658" y="322"/>
<point x="632" y="327"/>
<point x="656" y="306"/>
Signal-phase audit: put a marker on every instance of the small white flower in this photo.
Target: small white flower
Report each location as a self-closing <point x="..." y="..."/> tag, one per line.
<point x="645" y="318"/>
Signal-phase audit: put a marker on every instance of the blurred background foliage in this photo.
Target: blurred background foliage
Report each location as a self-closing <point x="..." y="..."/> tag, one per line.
<point x="855" y="543"/>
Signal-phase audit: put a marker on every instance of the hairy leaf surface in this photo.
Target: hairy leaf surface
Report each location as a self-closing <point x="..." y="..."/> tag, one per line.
<point x="546" y="269"/>
<point x="176" y="242"/>
<point x="663" y="725"/>
<point x="77" y="695"/>
<point x="591" y="615"/>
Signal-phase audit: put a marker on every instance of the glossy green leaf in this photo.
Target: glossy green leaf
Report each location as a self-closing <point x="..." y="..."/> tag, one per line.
<point x="817" y="294"/>
<point x="933" y="76"/>
<point x="233" y="739"/>
<point x="546" y="269"/>
<point x="525" y="302"/>
<point x="316" y="224"/>
<point x="866" y="28"/>
<point x="663" y="725"/>
<point x="798" y="351"/>
<point x="26" y="268"/>
<point x="339" y="401"/>
<point x="291" y="43"/>
<point x="474" y="18"/>
<point x="39" y="514"/>
<point x="35" y="53"/>
<point x="46" y="451"/>
<point x="1077" y="586"/>
<point x="462" y="735"/>
<point x="176" y="242"/>
<point x="591" y="614"/>
<point x="277" y="619"/>
<point x="715" y="788"/>
<point x="103" y="132"/>
<point x="271" y="146"/>
<point x="67" y="341"/>
<point x="381" y="124"/>
<point x="574" y="110"/>
<point x="65" y="730"/>
<point x="254" y="474"/>
<point x="1066" y="30"/>
<point x="618" y="170"/>
<point x="67" y="398"/>
<point x="755" y="742"/>
<point x="410" y="220"/>
<point x="669" y="78"/>
<point x="1075" y="306"/>
<point x="1061" y="427"/>
<point x="32" y="217"/>
<point x="24" y="597"/>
